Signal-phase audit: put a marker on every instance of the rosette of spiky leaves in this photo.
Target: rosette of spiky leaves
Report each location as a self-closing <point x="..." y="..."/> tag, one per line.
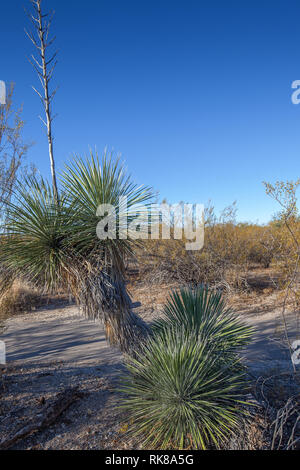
<point x="202" y="311"/>
<point x="56" y="243"/>
<point x="179" y="395"/>
<point x="99" y="192"/>
<point x="92" y="183"/>
<point x="33" y="244"/>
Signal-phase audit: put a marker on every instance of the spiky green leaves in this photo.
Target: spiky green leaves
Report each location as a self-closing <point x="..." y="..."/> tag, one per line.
<point x="184" y="387"/>
<point x="91" y="183"/>
<point x="44" y="241"/>
<point x="33" y="243"/>
<point x="178" y="396"/>
<point x="204" y="312"/>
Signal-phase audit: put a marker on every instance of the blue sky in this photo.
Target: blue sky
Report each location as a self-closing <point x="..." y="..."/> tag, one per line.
<point x="196" y="96"/>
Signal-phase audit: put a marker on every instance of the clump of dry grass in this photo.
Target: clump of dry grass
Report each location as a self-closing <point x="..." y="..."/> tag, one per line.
<point x="278" y="393"/>
<point x="20" y="297"/>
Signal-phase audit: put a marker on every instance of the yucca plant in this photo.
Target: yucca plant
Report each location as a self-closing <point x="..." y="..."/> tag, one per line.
<point x="178" y="395"/>
<point x="32" y="245"/>
<point x="203" y="312"/>
<point x="100" y="277"/>
<point x="55" y="244"/>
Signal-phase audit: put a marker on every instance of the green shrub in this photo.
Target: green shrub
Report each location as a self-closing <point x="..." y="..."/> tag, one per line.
<point x="178" y="395"/>
<point x="203" y="312"/>
<point x="55" y="246"/>
<point x="183" y="389"/>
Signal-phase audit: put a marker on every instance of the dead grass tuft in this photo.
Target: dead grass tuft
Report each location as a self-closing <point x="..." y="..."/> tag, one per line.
<point x="19" y="298"/>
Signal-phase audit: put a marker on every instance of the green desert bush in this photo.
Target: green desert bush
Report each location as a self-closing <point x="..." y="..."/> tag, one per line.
<point x="177" y="394"/>
<point x="184" y="388"/>
<point x="204" y="312"/>
<point x="55" y="245"/>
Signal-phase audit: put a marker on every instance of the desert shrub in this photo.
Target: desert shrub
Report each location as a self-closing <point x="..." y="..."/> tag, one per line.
<point x="204" y="312"/>
<point x="230" y="251"/>
<point x="287" y="235"/>
<point x="262" y="245"/>
<point x="168" y="260"/>
<point x="184" y="387"/>
<point x="288" y="223"/>
<point x="19" y="297"/>
<point x="178" y="395"/>
<point x="56" y="245"/>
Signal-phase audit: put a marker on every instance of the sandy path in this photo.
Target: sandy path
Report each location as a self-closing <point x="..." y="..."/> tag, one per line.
<point x="57" y="334"/>
<point x="55" y="348"/>
<point x="51" y="350"/>
<point x="62" y="334"/>
<point x="268" y="349"/>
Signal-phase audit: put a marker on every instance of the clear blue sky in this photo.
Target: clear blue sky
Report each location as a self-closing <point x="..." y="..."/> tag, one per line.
<point x="195" y="95"/>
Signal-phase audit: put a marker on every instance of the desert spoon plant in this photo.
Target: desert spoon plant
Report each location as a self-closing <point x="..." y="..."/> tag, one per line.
<point x="56" y="246"/>
<point x="184" y="389"/>
<point x="204" y="312"/>
<point x="102" y="290"/>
